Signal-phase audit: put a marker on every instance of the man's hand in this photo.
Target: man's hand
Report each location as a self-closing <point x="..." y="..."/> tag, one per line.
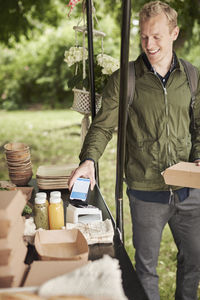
<point x="197" y="162"/>
<point x="85" y="170"/>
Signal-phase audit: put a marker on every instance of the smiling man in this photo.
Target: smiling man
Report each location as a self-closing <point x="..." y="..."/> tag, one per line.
<point x="159" y="133"/>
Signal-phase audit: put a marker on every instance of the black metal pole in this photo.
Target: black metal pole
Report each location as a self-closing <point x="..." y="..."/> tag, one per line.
<point x="90" y="56"/>
<point x="91" y="67"/>
<point x="121" y="139"/>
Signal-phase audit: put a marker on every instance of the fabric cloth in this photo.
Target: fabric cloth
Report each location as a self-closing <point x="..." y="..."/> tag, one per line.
<point x="95" y="232"/>
<point x="184" y="221"/>
<point x="158" y="127"/>
<point x="100" y="279"/>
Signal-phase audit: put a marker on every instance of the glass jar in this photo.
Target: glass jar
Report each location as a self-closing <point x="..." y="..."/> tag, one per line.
<point x="56" y="213"/>
<point x="41" y="218"/>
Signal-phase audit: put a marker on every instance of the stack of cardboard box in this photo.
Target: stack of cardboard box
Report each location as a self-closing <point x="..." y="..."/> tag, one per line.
<point x="12" y="247"/>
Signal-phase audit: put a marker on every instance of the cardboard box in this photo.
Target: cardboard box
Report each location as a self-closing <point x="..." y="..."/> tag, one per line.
<point x="41" y="271"/>
<point x="16" y="279"/>
<point x="184" y="174"/>
<point x="14" y="234"/>
<point x="13" y="274"/>
<point x="8" y="245"/>
<point x="11" y="206"/>
<point x="61" y="245"/>
<point x="16" y="261"/>
<point x="5" y="227"/>
<point x="26" y="190"/>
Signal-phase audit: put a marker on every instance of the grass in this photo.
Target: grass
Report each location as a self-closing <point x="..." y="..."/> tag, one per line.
<point x="54" y="138"/>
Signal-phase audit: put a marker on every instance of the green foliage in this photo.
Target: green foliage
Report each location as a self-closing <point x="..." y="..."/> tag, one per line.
<point x="27" y="210"/>
<point x="34" y="72"/>
<point x="21" y="17"/>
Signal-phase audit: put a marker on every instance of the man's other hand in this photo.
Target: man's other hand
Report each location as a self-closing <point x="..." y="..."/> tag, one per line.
<point x="85" y="170"/>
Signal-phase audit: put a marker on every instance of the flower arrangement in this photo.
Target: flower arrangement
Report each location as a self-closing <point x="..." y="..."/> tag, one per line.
<point x="104" y="66"/>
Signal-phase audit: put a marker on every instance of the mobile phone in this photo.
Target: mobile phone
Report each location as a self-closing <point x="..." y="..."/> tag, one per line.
<point x="80" y="189"/>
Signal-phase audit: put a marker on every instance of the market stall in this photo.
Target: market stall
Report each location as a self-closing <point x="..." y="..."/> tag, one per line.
<point x="45" y="258"/>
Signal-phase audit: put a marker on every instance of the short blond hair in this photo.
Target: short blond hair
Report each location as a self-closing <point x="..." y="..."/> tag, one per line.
<point x="154" y="8"/>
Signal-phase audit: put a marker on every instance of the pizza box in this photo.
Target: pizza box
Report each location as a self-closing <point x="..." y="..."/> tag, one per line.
<point x="185" y="174"/>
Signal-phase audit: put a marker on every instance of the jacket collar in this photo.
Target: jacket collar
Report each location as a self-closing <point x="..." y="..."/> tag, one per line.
<point x="141" y="67"/>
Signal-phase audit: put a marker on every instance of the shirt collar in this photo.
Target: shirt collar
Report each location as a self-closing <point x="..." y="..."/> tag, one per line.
<point x="150" y="68"/>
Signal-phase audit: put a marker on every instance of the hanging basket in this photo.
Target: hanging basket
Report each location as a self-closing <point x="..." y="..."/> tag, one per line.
<point x="82" y="102"/>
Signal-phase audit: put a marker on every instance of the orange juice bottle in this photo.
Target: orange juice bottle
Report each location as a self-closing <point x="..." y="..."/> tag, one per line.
<point x="56" y="213"/>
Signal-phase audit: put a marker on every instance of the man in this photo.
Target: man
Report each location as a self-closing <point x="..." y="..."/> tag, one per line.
<point x="159" y="134"/>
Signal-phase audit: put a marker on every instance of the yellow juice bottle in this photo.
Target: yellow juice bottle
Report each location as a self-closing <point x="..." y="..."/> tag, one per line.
<point x="56" y="213"/>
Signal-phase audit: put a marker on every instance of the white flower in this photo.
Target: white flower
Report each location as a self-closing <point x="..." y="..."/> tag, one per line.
<point x="108" y="63"/>
<point x="75" y="54"/>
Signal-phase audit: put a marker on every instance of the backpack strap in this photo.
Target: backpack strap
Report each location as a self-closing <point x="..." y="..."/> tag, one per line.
<point x="131" y="83"/>
<point x="192" y="77"/>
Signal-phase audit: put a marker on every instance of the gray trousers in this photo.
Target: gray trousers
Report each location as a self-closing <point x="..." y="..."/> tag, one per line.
<point x="149" y="220"/>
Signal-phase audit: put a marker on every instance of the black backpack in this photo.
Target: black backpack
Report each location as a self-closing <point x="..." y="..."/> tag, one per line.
<point x="192" y="77"/>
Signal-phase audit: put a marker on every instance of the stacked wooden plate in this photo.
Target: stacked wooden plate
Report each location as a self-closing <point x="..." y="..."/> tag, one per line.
<point x="54" y="176"/>
<point x="19" y="163"/>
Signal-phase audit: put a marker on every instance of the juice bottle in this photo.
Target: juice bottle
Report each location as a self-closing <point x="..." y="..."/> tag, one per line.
<point x="56" y="213"/>
<point x="41" y="213"/>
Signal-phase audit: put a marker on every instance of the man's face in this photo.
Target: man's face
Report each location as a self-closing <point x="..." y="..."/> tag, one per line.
<point x="157" y="39"/>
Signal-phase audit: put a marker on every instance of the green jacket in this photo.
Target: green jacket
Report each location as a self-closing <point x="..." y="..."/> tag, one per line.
<point x="159" y="132"/>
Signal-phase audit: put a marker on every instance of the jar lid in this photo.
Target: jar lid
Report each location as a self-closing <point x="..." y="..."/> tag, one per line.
<point x="41" y="195"/>
<point x="55" y="199"/>
<point x="40" y="200"/>
<point x="55" y="193"/>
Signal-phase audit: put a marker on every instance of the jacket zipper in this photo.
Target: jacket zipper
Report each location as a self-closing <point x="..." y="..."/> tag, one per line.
<point x="171" y="195"/>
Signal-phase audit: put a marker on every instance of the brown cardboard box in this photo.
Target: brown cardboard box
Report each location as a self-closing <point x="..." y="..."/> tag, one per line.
<point x="12" y="274"/>
<point x="184" y="174"/>
<point x="5" y="227"/>
<point x="26" y="190"/>
<point x="15" y="279"/>
<point x="41" y="271"/>
<point x="14" y="234"/>
<point x="11" y="206"/>
<point x="16" y="260"/>
<point x="8" y="244"/>
<point x="61" y="245"/>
